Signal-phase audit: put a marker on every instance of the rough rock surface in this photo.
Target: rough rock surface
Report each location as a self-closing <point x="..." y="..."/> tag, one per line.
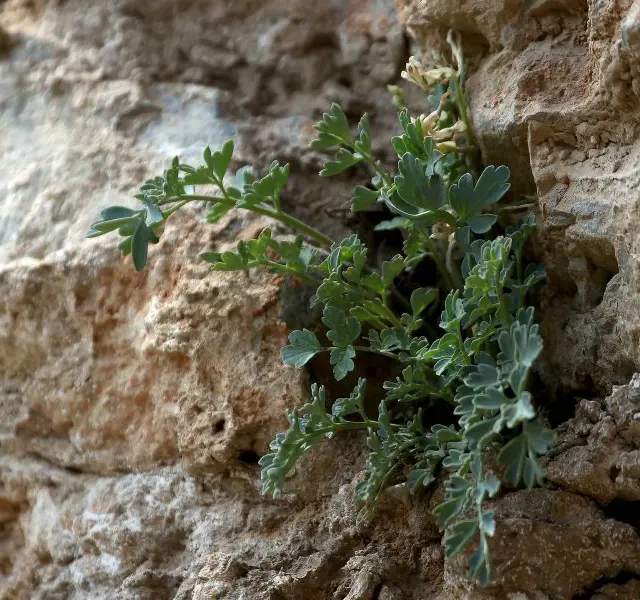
<point x="133" y="408"/>
<point x="555" y="95"/>
<point x="598" y="454"/>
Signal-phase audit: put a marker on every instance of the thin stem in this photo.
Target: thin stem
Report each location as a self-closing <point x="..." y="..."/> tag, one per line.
<point x="442" y="267"/>
<point x="463" y="351"/>
<point x="503" y="306"/>
<point x="174" y="208"/>
<point x="378" y="169"/>
<point x="275" y="265"/>
<point x="288" y="220"/>
<point x="381" y="352"/>
<point x="464" y="113"/>
<point x="369" y="158"/>
<point x="451" y="267"/>
<point x="345" y="425"/>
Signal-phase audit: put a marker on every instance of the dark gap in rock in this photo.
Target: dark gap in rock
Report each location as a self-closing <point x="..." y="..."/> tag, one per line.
<point x="345" y="80"/>
<point x="589" y="389"/>
<point x="560" y="411"/>
<point x="626" y="511"/>
<point x="219" y="425"/>
<point x="614" y="471"/>
<point x="599" y="278"/>
<point x="622" y="578"/>
<point x="73" y="470"/>
<point x="563" y="401"/>
<point x="376" y="592"/>
<point x="248" y="457"/>
<point x="557" y="408"/>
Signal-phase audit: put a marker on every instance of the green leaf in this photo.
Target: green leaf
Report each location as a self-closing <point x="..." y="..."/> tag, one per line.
<point x="343" y="159"/>
<point x="363" y="144"/>
<point x="244" y="176"/>
<point x="521" y="344"/>
<point x="481" y="223"/>
<point x="391" y="224"/>
<point x="216" y="212"/>
<point x="341" y="359"/>
<point x="117" y="212"/>
<point x="449" y="510"/>
<point x="469" y="201"/>
<point x="421" y="299"/>
<point x="268" y="188"/>
<point x="107" y="226"/>
<point x="363" y="198"/>
<point x="463" y="237"/>
<point x="303" y="346"/>
<point x="539" y="437"/>
<point x="483" y="376"/>
<point x="459" y="536"/>
<point x="419" y="478"/>
<point x="219" y="161"/>
<point x="139" y="246"/>
<point x="520" y="411"/>
<point x="225" y="261"/>
<point x="388" y="340"/>
<point x="488" y="522"/>
<point x="333" y="129"/>
<point x="154" y="214"/>
<point x="519" y="456"/>
<point x="125" y="246"/>
<point x="343" y="407"/>
<point x="343" y="330"/>
<point x="490" y="399"/>
<point x="128" y="228"/>
<point x="492" y="184"/>
<point x="479" y="565"/>
<point x="391" y="269"/>
<point x="480" y="434"/>
<point x="417" y="190"/>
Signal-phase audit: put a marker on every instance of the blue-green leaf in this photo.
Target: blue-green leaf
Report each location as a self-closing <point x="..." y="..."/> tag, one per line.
<point x="421" y="192"/>
<point x="139" y="246"/>
<point x="342" y="160"/>
<point x="303" y="346"/>
<point x="421" y="299"/>
<point x="342" y="361"/>
<point x="459" y="537"/>
<point x="363" y="198"/>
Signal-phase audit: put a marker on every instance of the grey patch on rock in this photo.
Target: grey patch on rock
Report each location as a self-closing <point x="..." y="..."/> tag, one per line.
<point x="597" y="453"/>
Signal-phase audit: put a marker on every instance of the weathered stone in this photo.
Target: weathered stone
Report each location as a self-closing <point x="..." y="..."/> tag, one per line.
<point x="553" y="96"/>
<point x="550" y="545"/>
<point x="598" y="451"/>
<point x="133" y="407"/>
<point x="114" y="371"/>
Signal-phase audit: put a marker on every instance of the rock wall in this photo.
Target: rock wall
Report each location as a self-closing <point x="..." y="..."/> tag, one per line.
<point x="133" y="408"/>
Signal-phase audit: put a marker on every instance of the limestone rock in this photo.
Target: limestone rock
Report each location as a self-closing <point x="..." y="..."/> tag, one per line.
<point x="133" y="407"/>
<point x="551" y="545"/>
<point x="553" y="90"/>
<point x="598" y="451"/>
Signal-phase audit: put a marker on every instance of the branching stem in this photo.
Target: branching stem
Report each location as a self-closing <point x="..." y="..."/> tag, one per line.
<point x="260" y="209"/>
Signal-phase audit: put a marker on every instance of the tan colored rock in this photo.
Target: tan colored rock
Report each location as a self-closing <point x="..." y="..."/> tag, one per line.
<point x="108" y="370"/>
<point x="550" y="544"/>
<point x="553" y="90"/>
<point x="598" y="451"/>
<point x="133" y="407"/>
<point x="624" y="591"/>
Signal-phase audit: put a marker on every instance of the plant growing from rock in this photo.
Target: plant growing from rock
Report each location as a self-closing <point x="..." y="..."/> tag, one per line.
<point x="479" y="362"/>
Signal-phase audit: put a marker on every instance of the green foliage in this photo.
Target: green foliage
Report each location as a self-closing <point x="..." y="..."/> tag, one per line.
<point x="468" y="341"/>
